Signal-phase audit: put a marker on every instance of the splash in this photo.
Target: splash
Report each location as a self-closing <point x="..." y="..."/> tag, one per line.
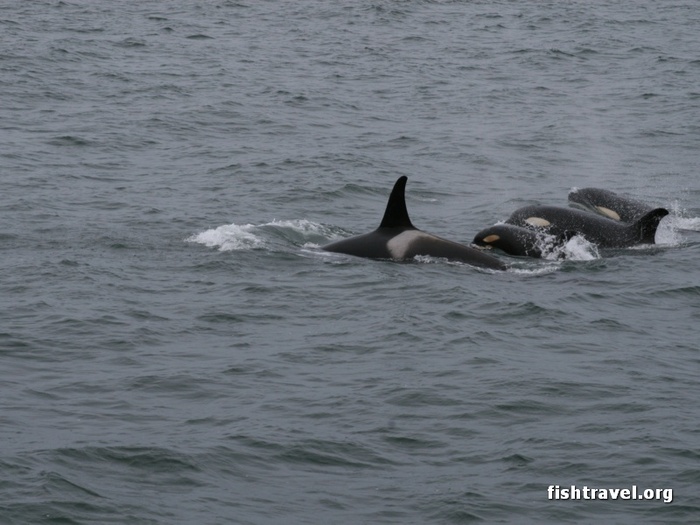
<point x="554" y="253"/>
<point x="668" y="234"/>
<point x="678" y="220"/>
<point x="688" y="223"/>
<point x="230" y="237"/>
<point x="579" y="249"/>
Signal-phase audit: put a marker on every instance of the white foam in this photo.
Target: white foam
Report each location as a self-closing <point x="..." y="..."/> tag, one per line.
<point x="579" y="249"/>
<point x="576" y="249"/>
<point x="554" y="253"/>
<point x="255" y="236"/>
<point x="539" y="270"/>
<point x="229" y="237"/>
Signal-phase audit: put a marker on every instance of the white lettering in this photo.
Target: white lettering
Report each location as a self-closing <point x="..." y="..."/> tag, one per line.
<point x="573" y="492"/>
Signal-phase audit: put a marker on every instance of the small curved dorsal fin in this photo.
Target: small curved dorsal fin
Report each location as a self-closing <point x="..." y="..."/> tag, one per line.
<point x="396" y="214"/>
<point x="647" y="225"/>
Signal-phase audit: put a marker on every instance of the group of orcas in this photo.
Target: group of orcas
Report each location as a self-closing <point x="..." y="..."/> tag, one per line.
<point x="600" y="216"/>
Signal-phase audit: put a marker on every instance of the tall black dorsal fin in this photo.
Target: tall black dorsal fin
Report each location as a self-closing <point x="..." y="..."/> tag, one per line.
<point x="396" y="214"/>
<point x="647" y="225"/>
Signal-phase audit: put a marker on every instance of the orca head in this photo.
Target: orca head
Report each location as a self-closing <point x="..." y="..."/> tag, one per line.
<point x="513" y="240"/>
<point x="609" y="204"/>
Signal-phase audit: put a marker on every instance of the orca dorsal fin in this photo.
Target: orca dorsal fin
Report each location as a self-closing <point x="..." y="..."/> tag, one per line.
<point x="647" y="225"/>
<point x="396" y="214"/>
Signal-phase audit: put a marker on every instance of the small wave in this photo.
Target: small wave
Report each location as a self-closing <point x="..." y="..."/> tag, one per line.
<point x="301" y="226"/>
<point x="429" y="259"/>
<point x="231" y="237"/>
<point x="536" y="270"/>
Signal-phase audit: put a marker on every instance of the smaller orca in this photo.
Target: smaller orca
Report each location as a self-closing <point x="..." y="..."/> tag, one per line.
<point x="520" y="241"/>
<point x="608" y="204"/>
<point x="603" y="231"/>
<point x="397" y="239"/>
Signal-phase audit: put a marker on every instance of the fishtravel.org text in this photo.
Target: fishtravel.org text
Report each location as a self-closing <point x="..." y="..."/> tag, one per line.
<point x="572" y="492"/>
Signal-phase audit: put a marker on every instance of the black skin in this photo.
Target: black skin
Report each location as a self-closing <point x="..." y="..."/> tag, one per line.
<point x="518" y="240"/>
<point x="591" y="199"/>
<point x="606" y="233"/>
<point x="374" y="245"/>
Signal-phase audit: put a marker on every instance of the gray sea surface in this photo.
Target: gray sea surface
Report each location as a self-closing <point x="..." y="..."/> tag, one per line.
<point x="175" y="347"/>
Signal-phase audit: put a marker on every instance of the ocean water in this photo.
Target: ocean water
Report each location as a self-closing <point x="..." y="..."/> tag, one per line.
<point x="174" y="346"/>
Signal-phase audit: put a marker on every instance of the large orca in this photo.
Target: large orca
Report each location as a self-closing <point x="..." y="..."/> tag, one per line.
<point x="609" y="204"/>
<point x="521" y="241"/>
<point x="397" y="238"/>
<point x="603" y="231"/>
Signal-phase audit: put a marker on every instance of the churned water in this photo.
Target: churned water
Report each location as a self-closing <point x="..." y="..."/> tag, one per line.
<point x="175" y="347"/>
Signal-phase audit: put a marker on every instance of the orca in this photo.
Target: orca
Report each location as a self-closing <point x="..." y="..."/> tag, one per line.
<point x="609" y="204"/>
<point x="600" y="230"/>
<point x="521" y="241"/>
<point x="397" y="239"/>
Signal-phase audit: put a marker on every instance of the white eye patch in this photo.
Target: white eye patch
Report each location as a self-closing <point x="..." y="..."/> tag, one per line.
<point x="608" y="212"/>
<point x="537" y="221"/>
